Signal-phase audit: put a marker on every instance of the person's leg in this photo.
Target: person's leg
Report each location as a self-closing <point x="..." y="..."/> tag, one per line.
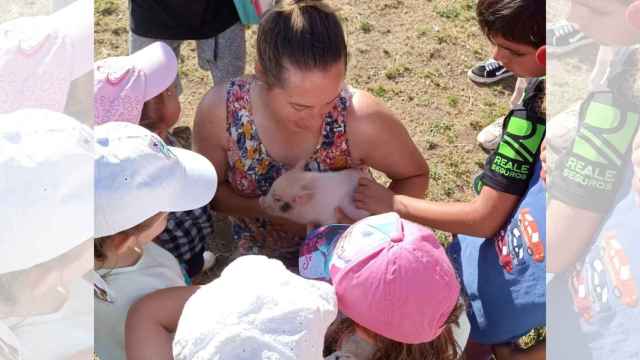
<point x="489" y="137"/>
<point x="137" y="42"/>
<point x="224" y="55"/>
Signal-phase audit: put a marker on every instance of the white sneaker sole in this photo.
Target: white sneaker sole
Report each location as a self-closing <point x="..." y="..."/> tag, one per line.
<point x="209" y="260"/>
<point x="483" y="80"/>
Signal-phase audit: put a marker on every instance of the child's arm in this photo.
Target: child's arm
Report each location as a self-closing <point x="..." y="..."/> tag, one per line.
<point x="152" y="321"/>
<point x="504" y="181"/>
<point x="482" y="217"/>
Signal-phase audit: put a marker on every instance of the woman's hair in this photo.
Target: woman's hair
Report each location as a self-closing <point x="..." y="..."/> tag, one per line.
<point x="443" y="347"/>
<point x="306" y="35"/>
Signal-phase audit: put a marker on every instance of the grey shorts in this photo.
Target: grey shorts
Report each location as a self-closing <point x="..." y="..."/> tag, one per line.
<point x="224" y="55"/>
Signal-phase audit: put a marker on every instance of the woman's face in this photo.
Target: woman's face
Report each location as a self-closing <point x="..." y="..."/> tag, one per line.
<point x="604" y="21"/>
<point x="307" y="95"/>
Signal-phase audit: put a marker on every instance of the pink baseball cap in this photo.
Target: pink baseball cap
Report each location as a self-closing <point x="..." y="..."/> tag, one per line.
<point x="394" y="278"/>
<point x="122" y="84"/>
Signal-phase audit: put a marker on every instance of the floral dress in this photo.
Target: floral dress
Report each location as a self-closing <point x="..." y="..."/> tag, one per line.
<point x="252" y="171"/>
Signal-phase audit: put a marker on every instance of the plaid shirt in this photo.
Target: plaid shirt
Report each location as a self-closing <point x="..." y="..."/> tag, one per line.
<point x="187" y="232"/>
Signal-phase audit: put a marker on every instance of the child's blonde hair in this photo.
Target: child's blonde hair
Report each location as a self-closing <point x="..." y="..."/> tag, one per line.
<point x="99" y="253"/>
<point x="443" y="347"/>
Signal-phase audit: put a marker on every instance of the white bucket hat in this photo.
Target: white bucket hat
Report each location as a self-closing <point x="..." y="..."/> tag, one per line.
<point x="46" y="187"/>
<point x="138" y="175"/>
<point x="9" y="344"/>
<point x="256" y="310"/>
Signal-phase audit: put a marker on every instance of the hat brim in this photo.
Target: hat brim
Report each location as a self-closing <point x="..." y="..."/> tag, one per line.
<point x="199" y="182"/>
<point x="160" y="66"/>
<point x="317" y="250"/>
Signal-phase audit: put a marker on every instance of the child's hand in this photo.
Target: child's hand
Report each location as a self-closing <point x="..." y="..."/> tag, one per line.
<point x="543" y="159"/>
<point x="373" y="197"/>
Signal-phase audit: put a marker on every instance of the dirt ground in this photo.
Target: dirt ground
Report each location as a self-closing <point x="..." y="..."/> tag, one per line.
<point x="413" y="54"/>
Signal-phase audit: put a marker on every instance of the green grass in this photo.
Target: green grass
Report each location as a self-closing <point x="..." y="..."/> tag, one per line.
<point x="449" y="12"/>
<point x="396" y="71"/>
<point x="366" y="27"/>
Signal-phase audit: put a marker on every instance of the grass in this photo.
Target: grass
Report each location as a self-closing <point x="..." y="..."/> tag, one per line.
<point x="411" y="54"/>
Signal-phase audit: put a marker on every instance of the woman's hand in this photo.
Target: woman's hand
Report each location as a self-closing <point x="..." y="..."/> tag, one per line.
<point x="288" y="226"/>
<point x="373" y="197"/>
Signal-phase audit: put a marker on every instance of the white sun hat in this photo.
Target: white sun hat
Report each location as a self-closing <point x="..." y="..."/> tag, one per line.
<point x="46" y="187"/>
<point x="138" y="175"/>
<point x="256" y="310"/>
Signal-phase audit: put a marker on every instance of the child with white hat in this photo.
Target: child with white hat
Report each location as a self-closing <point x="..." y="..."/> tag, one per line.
<point x="46" y="187"/>
<point x="256" y="309"/>
<point x="138" y="180"/>
<point x="141" y="89"/>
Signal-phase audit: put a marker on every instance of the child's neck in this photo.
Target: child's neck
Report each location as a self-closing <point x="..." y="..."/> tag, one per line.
<point x="116" y="261"/>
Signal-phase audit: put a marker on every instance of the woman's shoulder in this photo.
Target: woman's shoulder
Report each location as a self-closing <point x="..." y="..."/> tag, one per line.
<point x="368" y="114"/>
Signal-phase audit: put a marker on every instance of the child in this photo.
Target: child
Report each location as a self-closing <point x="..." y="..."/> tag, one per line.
<point x="395" y="286"/>
<point x="46" y="221"/>
<point x="407" y="313"/>
<point x="517" y="29"/>
<point x="138" y="180"/>
<point x="140" y="88"/>
<point x="187" y="232"/>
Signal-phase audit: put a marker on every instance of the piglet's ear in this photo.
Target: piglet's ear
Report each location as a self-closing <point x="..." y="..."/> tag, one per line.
<point x="304" y="198"/>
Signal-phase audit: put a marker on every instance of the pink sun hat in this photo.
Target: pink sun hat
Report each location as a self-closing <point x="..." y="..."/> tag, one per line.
<point x="394" y="278"/>
<point x="122" y="84"/>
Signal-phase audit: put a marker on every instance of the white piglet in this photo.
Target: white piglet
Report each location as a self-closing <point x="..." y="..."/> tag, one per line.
<point x="312" y="197"/>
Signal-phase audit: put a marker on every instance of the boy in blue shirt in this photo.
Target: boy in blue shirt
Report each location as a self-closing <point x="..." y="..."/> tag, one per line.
<point x="500" y="259"/>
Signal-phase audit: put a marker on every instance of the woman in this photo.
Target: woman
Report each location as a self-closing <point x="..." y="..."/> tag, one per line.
<point x="296" y="108"/>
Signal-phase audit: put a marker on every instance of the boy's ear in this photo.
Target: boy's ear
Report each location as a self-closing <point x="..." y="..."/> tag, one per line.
<point x="633" y="14"/>
<point x="541" y="56"/>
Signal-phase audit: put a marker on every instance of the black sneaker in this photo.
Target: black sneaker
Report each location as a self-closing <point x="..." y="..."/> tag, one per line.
<point x="563" y="37"/>
<point x="488" y="72"/>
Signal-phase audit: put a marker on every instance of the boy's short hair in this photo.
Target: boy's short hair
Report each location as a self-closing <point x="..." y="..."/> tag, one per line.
<point x="520" y="21"/>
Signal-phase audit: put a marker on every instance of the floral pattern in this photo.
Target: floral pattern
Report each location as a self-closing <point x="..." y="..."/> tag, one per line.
<point x="252" y="171"/>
